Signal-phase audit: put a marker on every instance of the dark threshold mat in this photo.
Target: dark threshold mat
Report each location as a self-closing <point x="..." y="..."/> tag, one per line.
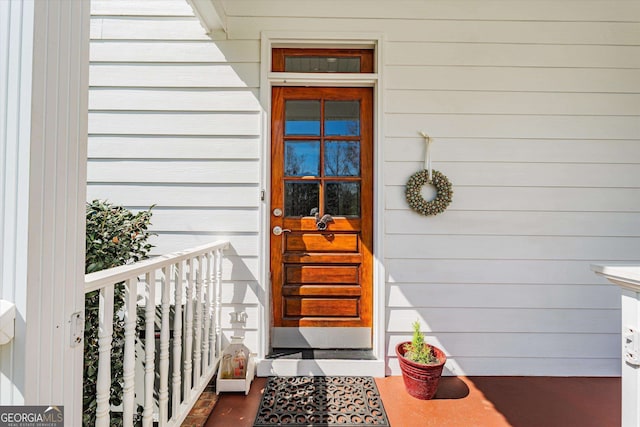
<point x="321" y="401"/>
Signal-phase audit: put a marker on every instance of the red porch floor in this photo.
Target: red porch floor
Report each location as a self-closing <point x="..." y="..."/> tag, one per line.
<point x="472" y="402"/>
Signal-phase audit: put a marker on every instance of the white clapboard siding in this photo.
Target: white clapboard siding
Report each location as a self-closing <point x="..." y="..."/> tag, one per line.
<point x="512" y="247"/>
<point x="517" y="79"/>
<point x="515" y="150"/>
<point x="514" y="126"/>
<point x="144" y="8"/>
<point x="486" y="102"/>
<point x="514" y="55"/>
<point x="415" y="30"/>
<point x="147" y="28"/>
<point x="178" y="195"/>
<point x="240" y="244"/>
<point x="490" y="272"/>
<point x="117" y="51"/>
<point x="476" y="198"/>
<point x="246" y="292"/>
<point x="145" y="99"/>
<point x="523" y="174"/>
<point x="188" y="172"/>
<point x="205" y="220"/>
<point x="238" y="75"/>
<point x="160" y="123"/>
<point x="530" y="10"/>
<point x="518" y="223"/>
<point x="405" y="295"/>
<point x="509" y="320"/>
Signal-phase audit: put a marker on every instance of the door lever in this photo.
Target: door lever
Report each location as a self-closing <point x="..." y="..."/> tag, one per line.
<point x="321" y="223"/>
<point x="277" y="230"/>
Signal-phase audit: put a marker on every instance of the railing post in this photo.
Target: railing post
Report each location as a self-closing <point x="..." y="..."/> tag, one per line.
<point x="211" y="302"/>
<point x="128" y="367"/>
<point x="218" y="302"/>
<point x="197" y="356"/>
<point x="188" y="328"/>
<point x="177" y="339"/>
<point x="105" y="334"/>
<point x="149" y="349"/>
<point x="163" y="391"/>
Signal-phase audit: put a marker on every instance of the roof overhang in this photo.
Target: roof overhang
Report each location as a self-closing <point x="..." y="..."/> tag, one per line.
<point x="212" y="16"/>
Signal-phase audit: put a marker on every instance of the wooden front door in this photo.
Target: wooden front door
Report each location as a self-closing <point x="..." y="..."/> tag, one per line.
<point x="321" y="217"/>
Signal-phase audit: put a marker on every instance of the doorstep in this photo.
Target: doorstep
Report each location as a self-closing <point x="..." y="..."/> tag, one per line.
<point x="202" y="409"/>
<point x="337" y="362"/>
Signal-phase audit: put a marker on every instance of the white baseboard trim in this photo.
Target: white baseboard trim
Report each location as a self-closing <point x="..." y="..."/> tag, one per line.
<point x="320" y="367"/>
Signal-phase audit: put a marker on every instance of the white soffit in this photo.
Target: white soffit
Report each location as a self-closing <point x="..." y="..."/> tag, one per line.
<point x="211" y="15"/>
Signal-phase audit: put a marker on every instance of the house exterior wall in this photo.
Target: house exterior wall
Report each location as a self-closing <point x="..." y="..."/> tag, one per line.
<point x="43" y="126"/>
<point x="533" y="107"/>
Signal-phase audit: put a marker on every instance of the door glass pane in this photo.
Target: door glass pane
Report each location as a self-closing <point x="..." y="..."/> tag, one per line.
<point x="342" y="158"/>
<point x="302" y="158"/>
<point x="322" y="64"/>
<point x="342" y="198"/>
<point x="302" y="118"/>
<point x="300" y="198"/>
<point x="342" y="118"/>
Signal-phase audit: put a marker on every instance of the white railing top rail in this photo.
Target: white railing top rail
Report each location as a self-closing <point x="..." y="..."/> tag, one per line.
<point x="102" y="278"/>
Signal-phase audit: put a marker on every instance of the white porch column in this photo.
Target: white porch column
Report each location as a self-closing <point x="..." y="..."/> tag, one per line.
<point x="44" y="49"/>
<point x="627" y="276"/>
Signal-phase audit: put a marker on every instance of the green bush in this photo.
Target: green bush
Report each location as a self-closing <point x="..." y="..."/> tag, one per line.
<point x="419" y="351"/>
<point x="115" y="236"/>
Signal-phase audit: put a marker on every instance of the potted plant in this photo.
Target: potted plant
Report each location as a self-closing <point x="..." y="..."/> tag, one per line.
<point x="421" y="365"/>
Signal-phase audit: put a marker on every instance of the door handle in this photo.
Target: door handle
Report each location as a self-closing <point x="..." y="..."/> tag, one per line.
<point x="277" y="230"/>
<point x="321" y="223"/>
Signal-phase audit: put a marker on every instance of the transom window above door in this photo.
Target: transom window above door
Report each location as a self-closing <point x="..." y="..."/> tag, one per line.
<point x="297" y="60"/>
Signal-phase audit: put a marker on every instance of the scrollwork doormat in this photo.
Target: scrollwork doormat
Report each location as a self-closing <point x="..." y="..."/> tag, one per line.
<point x="321" y="401"/>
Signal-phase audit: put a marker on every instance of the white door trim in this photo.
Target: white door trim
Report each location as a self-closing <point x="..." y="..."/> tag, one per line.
<point x="268" y="79"/>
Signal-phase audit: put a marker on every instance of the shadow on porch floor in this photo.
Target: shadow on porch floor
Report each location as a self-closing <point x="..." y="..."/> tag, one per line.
<point x="471" y="402"/>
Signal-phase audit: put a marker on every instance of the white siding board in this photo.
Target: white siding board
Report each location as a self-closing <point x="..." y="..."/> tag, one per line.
<point x="512" y="55"/>
<point x="205" y="220"/>
<point x="239" y="292"/>
<point x="485" y="102"/>
<point x="514" y="126"/>
<point x="518" y="223"/>
<point x="241" y="244"/>
<point x="240" y="75"/>
<point x="140" y="7"/>
<point x="507" y="320"/>
<point x="523" y="174"/>
<point x="211" y="172"/>
<point x="147" y="28"/>
<point x="616" y="200"/>
<point x="490" y="272"/>
<point x="408" y="10"/>
<point x="515" y="150"/>
<point x="177" y="123"/>
<point x="512" y="79"/>
<point x="156" y="99"/>
<point x="455" y="30"/>
<point x="412" y="246"/>
<point x="428" y="295"/>
<point x="175" y="51"/>
<point x="178" y="195"/>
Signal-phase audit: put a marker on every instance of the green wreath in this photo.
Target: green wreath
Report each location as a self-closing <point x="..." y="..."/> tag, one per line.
<point x="443" y="196"/>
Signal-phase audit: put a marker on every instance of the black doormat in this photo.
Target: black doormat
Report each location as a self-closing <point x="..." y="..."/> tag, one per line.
<point x="321" y="401"/>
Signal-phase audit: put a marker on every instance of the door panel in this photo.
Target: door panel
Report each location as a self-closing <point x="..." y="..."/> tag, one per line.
<point x="322" y="171"/>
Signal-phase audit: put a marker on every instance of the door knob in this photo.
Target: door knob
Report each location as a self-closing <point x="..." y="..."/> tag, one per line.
<point x="277" y="230"/>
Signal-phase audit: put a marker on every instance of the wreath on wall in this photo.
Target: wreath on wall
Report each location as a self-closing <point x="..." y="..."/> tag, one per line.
<point x="444" y="190"/>
<point x="414" y="192"/>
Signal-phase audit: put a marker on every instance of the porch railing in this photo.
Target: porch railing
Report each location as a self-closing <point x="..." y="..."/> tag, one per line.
<point x="180" y="292"/>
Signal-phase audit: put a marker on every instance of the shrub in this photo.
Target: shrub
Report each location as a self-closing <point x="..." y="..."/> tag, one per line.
<point x="115" y="236"/>
<point x="418" y="351"/>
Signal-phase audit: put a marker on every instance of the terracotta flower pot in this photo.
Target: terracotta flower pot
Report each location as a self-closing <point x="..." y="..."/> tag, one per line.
<point x="421" y="380"/>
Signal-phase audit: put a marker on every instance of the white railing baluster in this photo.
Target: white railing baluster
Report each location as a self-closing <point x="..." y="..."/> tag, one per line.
<point x="197" y="357"/>
<point x="128" y="367"/>
<point x="188" y="331"/>
<point x="163" y="390"/>
<point x="192" y="269"/>
<point x="211" y="302"/>
<point x="206" y="293"/>
<point x="105" y="335"/>
<point x="177" y="340"/>
<point x="218" y="303"/>
<point x="149" y="349"/>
